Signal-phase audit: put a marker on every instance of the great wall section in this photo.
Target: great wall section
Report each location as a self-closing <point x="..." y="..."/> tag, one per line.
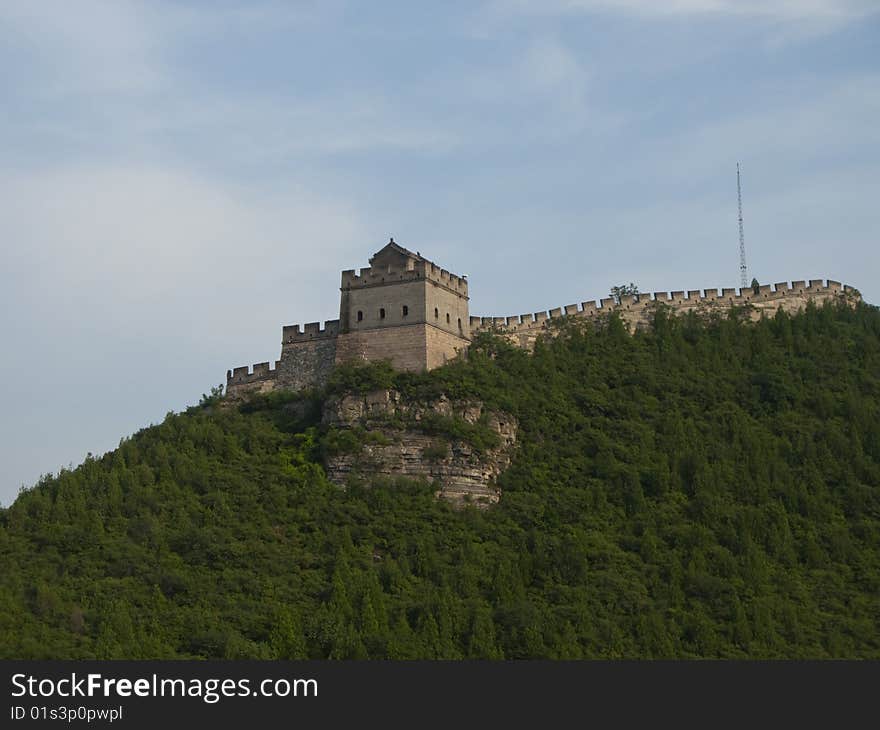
<point x="637" y="310"/>
<point x="308" y="354"/>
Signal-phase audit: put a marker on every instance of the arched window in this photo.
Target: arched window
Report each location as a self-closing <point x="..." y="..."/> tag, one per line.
<point x="459" y="324"/>
<point x="405" y="310"/>
<point x="360" y="316"/>
<point x="436" y="313"/>
<point x="382" y="313"/>
<point x="447" y="318"/>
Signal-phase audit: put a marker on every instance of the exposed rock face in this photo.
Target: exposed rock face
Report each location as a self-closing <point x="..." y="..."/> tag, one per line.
<point x="402" y="441"/>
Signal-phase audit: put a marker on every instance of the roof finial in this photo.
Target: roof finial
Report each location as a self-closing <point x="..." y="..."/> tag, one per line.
<point x="391" y="240"/>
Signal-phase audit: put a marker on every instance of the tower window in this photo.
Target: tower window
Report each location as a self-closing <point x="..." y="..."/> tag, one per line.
<point x="360" y="316"/>
<point x="447" y="318"/>
<point x="459" y="324"/>
<point x="436" y="313"/>
<point x="382" y="313"/>
<point x="405" y="310"/>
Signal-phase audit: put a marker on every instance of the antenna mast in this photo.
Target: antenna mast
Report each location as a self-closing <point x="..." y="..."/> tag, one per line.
<point x="743" y="272"/>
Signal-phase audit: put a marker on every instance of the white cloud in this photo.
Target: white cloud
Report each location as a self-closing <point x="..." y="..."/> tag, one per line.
<point x="548" y="64"/>
<point x="552" y="69"/>
<point x="109" y="75"/>
<point x="834" y="10"/>
<point x="820" y="125"/>
<point x="275" y="128"/>
<point x="120" y="46"/>
<point x="541" y="92"/>
<point x="167" y="246"/>
<point x="98" y="46"/>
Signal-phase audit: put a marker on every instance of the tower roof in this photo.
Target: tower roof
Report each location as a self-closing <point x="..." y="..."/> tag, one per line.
<point x="392" y="247"/>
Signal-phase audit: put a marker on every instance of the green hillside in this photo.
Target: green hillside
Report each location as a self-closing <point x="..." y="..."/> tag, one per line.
<point x="704" y="489"/>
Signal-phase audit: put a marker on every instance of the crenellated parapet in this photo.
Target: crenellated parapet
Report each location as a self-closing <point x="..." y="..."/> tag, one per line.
<point x="244" y="374"/>
<point x="395" y="265"/>
<point x="458" y="284"/>
<point x="310" y="331"/>
<point x="422" y="269"/>
<point x="258" y="379"/>
<point x="636" y="309"/>
<point x="375" y="276"/>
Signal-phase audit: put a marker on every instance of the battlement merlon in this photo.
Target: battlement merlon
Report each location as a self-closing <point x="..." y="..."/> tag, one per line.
<point x="310" y="331"/>
<point x="243" y="376"/>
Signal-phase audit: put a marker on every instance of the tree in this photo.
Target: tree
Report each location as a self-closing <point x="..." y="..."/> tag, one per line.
<point x="212" y="398"/>
<point x="287" y="640"/>
<point x="623" y="290"/>
<point x="756" y="287"/>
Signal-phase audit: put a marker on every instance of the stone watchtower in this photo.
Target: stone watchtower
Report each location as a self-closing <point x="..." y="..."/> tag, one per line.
<point x="403" y="308"/>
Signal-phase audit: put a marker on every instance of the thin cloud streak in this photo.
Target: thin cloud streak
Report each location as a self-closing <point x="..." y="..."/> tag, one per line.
<point x="782" y="10"/>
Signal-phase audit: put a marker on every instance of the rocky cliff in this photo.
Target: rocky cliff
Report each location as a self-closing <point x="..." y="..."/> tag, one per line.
<point x="460" y="446"/>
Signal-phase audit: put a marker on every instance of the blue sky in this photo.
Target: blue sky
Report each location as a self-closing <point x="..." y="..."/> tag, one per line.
<point x="177" y="181"/>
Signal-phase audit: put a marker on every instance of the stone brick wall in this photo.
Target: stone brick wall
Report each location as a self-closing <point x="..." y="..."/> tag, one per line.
<point x="245" y="389"/>
<point x="442" y="346"/>
<point x="390" y="297"/>
<point x="405" y="346"/>
<point x="523" y="330"/>
<point x="447" y="309"/>
<point x="306" y="364"/>
<point x="242" y="382"/>
<point x="414" y="347"/>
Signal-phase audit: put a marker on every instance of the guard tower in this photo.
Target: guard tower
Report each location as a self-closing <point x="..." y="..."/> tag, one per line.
<point x="403" y="308"/>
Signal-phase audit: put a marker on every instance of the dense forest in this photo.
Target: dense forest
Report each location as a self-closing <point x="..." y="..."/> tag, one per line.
<point x="704" y="488"/>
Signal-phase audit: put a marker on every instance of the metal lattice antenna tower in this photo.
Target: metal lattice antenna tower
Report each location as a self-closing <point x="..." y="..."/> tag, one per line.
<point x="743" y="271"/>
